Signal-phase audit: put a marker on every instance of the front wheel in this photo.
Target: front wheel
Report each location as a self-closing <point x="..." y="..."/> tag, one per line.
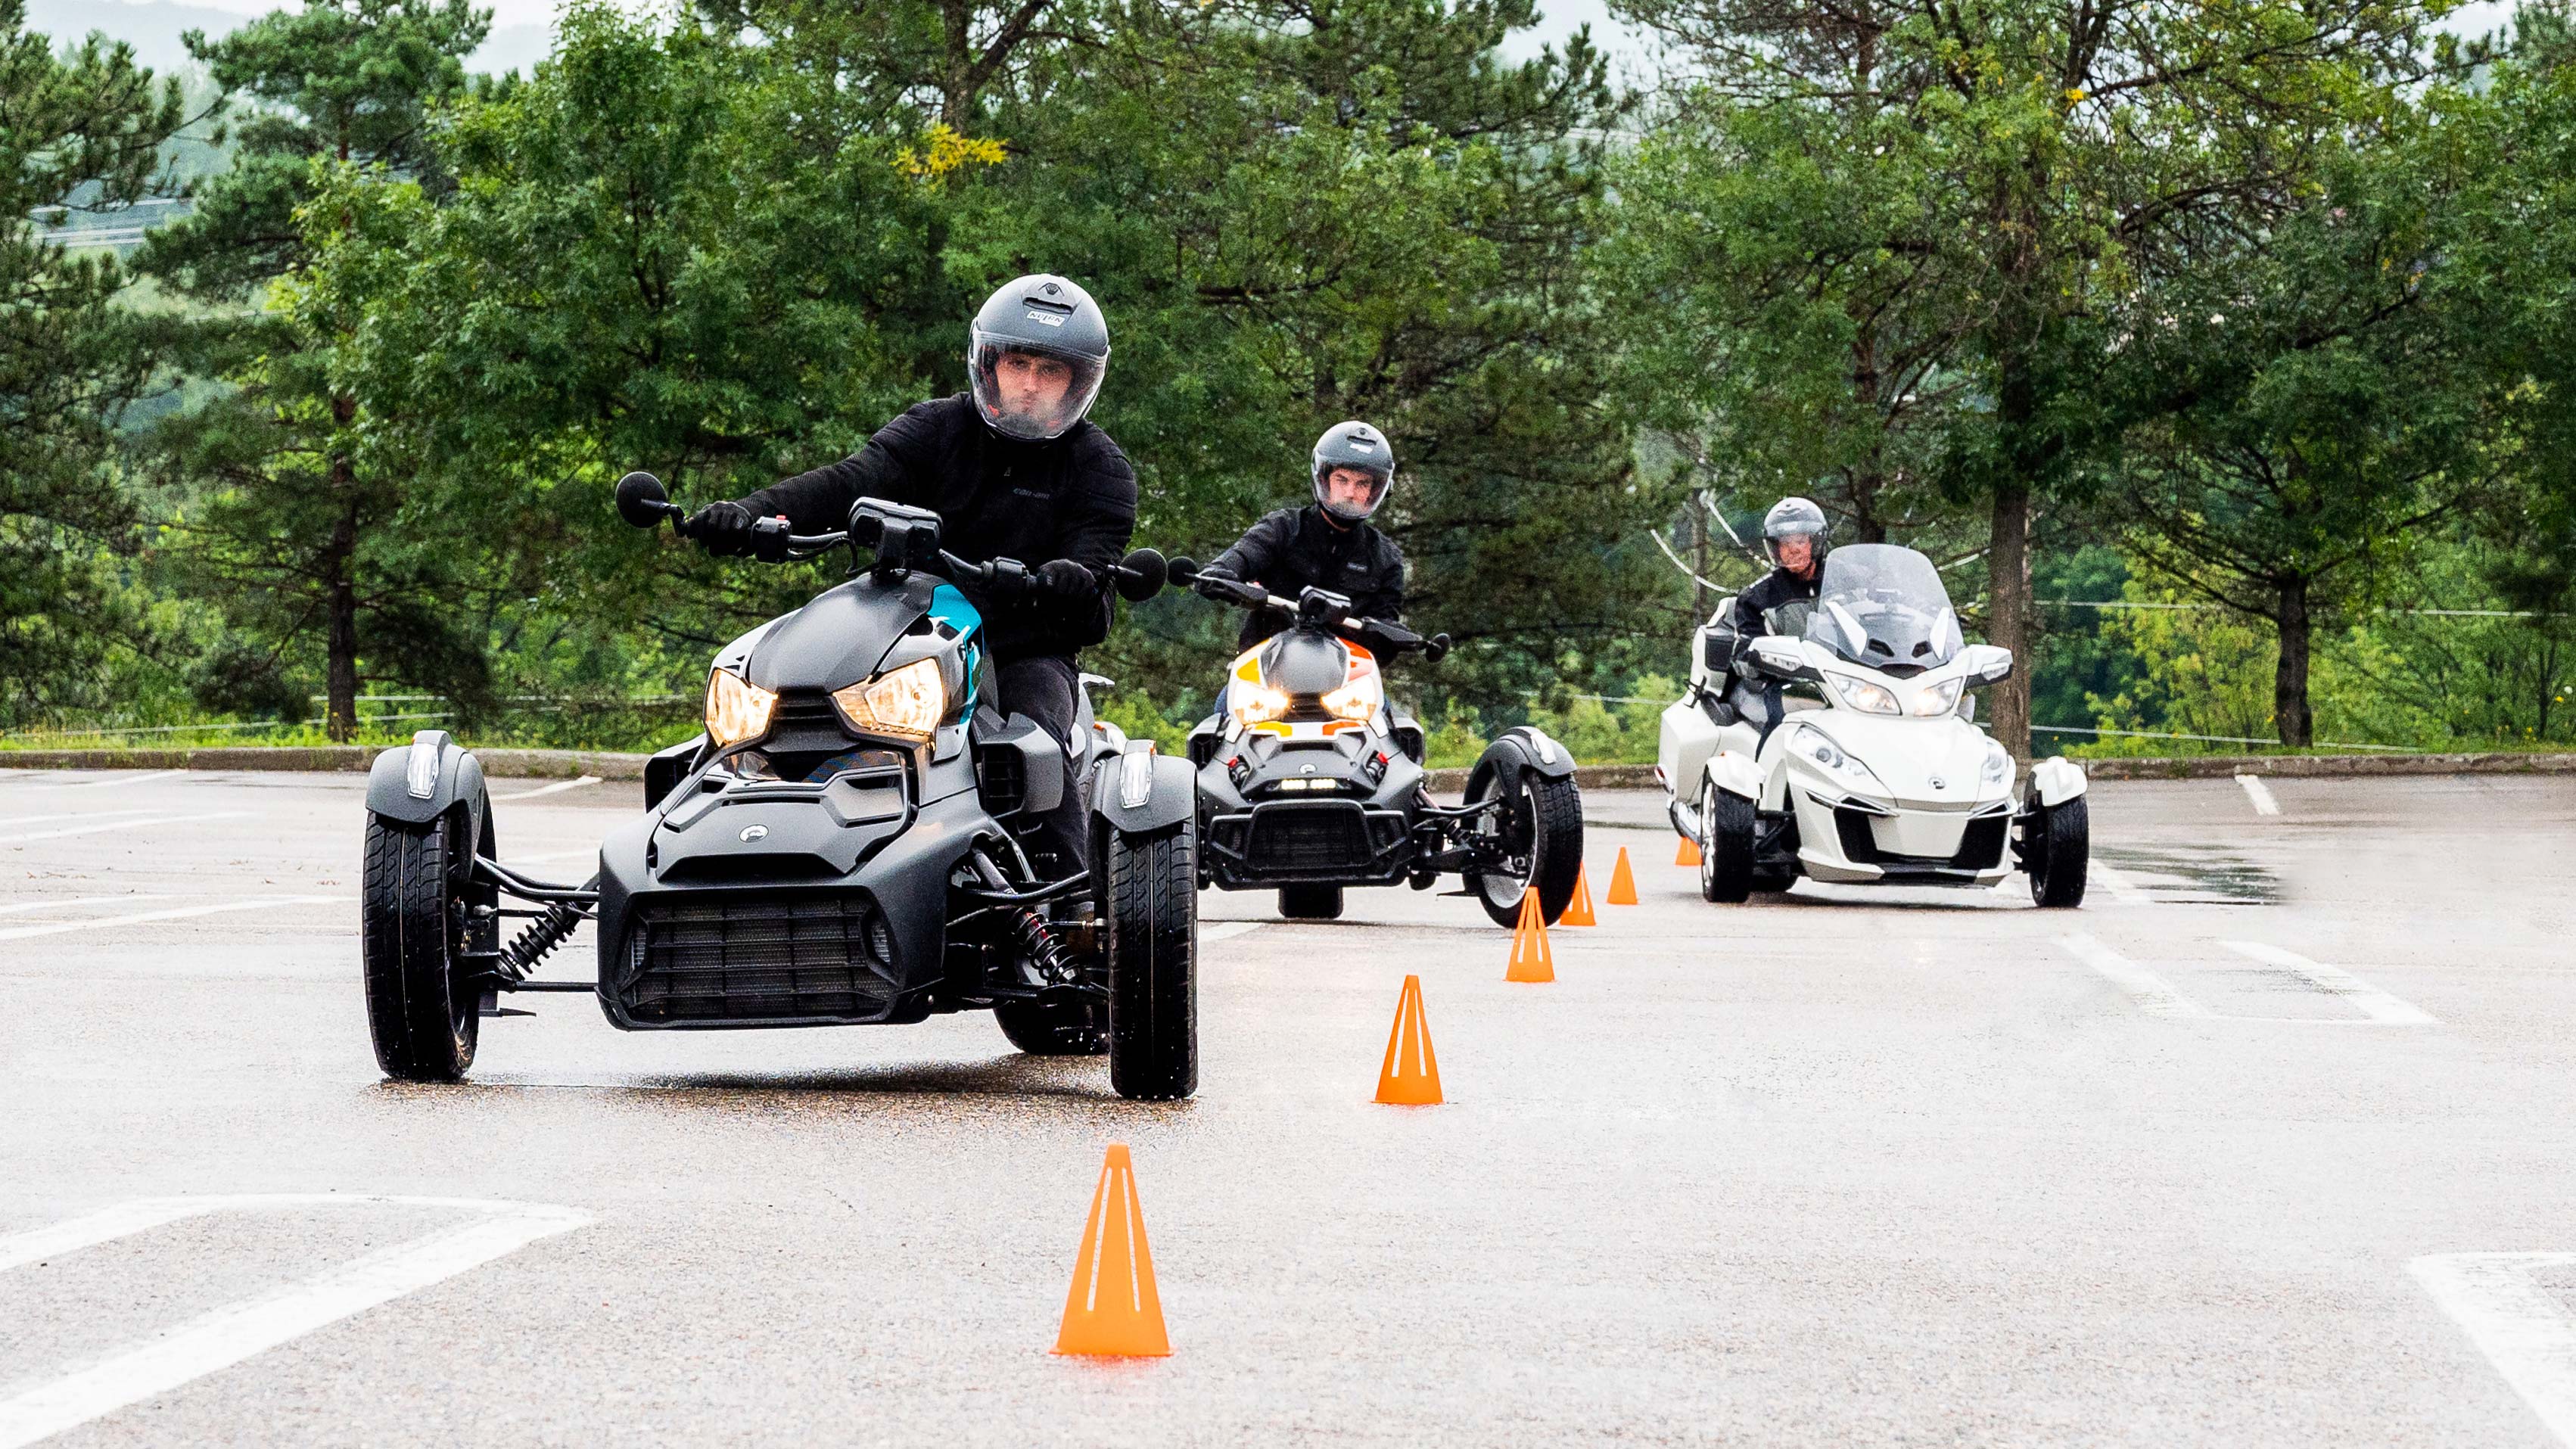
<point x="423" y="1009"/>
<point x="1725" y="845"/>
<point x="1538" y="833"/>
<point x="2057" y="844"/>
<point x="1151" y="905"/>
<point x="1311" y="902"/>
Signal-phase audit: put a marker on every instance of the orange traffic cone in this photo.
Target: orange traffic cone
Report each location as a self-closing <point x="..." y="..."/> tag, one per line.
<point x="1112" y="1309"/>
<point x="1531" y="960"/>
<point x="1688" y="854"/>
<point x="1578" y="911"/>
<point x="1411" y="1075"/>
<point x="1623" y="882"/>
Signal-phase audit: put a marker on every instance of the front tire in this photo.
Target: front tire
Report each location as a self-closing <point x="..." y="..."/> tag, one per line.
<point x="1541" y="825"/>
<point x="1041" y="1030"/>
<point x="423" y="1011"/>
<point x="2057" y="845"/>
<point x="1311" y="902"/>
<point x="1152" y="910"/>
<point x="1725" y="846"/>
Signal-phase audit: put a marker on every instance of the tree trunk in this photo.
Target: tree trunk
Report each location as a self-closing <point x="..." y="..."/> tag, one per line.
<point x="1699" y="558"/>
<point x="956" y="83"/>
<point x="2290" y="678"/>
<point x="341" y="711"/>
<point x="2008" y="613"/>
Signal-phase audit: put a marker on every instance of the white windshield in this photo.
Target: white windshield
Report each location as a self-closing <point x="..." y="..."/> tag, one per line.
<point x="1883" y="606"/>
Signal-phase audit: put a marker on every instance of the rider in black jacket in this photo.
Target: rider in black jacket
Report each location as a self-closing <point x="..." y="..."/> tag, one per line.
<point x="1793" y="536"/>
<point x="1014" y="471"/>
<point x="1330" y="544"/>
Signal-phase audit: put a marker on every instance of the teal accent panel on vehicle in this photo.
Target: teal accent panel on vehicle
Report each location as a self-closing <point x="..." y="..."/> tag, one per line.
<point x="951" y="608"/>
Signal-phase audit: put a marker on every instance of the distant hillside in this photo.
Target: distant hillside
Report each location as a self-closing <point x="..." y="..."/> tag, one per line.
<point x="154" y="29"/>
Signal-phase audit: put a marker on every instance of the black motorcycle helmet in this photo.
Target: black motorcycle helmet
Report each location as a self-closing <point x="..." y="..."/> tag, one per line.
<point x="1354" y="445"/>
<point x="1045" y="317"/>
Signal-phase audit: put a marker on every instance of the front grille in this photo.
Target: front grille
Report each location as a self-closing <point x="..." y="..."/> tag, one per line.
<point x="1002" y="777"/>
<point x="758" y="956"/>
<point x="1851" y="826"/>
<point x="1323" y="837"/>
<point x="1981" y="847"/>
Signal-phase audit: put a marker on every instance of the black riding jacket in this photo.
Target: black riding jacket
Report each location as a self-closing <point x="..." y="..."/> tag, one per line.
<point x="1296" y="547"/>
<point x="1769" y="592"/>
<point x="1067" y="497"/>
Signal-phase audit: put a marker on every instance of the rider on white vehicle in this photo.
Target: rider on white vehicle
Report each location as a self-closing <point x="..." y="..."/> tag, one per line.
<point x="1793" y="536"/>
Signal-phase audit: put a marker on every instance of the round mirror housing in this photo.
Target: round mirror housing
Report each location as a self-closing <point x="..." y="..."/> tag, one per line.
<point x="641" y="500"/>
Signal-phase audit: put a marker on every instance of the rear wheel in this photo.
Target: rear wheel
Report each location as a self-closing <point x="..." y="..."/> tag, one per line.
<point x="1538" y="833"/>
<point x="1725" y="845"/>
<point x="423" y="1008"/>
<point x="1152" y="910"/>
<point x="2057" y="844"/>
<point x="1043" y="1029"/>
<point x="1311" y="902"/>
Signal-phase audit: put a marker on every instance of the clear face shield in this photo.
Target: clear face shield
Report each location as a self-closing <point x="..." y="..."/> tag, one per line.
<point x="1351" y="494"/>
<point x="1024" y="392"/>
<point x="1795" y="552"/>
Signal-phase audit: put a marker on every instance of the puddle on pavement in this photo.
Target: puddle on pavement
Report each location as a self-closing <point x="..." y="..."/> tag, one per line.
<point x="2195" y="877"/>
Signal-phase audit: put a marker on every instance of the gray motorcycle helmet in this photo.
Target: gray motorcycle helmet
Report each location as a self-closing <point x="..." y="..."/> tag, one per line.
<point x="1788" y="517"/>
<point x="1048" y="316"/>
<point x="1354" y="445"/>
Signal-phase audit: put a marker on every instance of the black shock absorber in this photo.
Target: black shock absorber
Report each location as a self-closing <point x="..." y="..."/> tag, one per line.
<point x="1031" y="933"/>
<point x="541" y="935"/>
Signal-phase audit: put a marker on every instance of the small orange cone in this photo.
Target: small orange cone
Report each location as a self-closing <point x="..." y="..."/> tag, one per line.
<point x="1623" y="882"/>
<point x="1531" y="960"/>
<point x="1112" y="1309"/>
<point x="1411" y="1075"/>
<point x="1688" y="854"/>
<point x="1578" y="911"/>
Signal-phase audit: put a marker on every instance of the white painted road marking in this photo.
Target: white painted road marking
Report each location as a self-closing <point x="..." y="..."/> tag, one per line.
<point x="1227" y="930"/>
<point x="123" y="825"/>
<point x="2522" y="1328"/>
<point x="2369" y="1000"/>
<point x="64" y="903"/>
<point x="237" y="1331"/>
<point x="180" y="913"/>
<point x="2260" y="794"/>
<point x="2123" y="889"/>
<point x="556" y="788"/>
<point x="105" y="782"/>
<point x="2154" y="995"/>
<point x="72" y="815"/>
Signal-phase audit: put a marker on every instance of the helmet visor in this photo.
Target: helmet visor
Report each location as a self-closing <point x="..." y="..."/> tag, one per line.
<point x="1349" y="491"/>
<point x="1030" y="392"/>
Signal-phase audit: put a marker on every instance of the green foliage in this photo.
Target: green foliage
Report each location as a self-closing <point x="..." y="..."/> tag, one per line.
<point x="1611" y="732"/>
<point x="1456" y="742"/>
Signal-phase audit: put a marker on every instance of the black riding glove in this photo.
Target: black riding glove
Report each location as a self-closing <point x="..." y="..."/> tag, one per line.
<point x="1068" y="580"/>
<point x="722" y="528"/>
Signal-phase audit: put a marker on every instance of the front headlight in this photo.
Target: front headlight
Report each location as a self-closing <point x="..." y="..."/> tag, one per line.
<point x="737" y="709"/>
<point x="1998" y="769"/>
<point x="1253" y="704"/>
<point x="1862" y="695"/>
<point x="1830" y="758"/>
<point x="1937" y="699"/>
<point x="905" y="703"/>
<point x="1357" y="700"/>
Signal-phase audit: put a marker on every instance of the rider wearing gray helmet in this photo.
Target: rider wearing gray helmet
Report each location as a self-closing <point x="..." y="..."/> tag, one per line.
<point x="1014" y="471"/>
<point x="1330" y="545"/>
<point x="1793" y="538"/>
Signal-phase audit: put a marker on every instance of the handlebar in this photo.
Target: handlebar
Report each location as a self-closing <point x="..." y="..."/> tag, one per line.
<point x="1314" y="607"/>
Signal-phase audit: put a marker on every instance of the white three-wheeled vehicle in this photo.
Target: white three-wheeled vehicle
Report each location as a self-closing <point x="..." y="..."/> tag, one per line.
<point x="1840" y="746"/>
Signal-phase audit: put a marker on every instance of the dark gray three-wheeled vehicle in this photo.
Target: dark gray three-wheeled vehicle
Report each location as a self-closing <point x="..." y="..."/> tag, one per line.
<point x="843" y="845"/>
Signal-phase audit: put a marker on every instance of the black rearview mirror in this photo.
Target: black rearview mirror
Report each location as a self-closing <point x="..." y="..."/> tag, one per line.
<point x="641" y="500"/>
<point x="1182" y="570"/>
<point x="1144" y="577"/>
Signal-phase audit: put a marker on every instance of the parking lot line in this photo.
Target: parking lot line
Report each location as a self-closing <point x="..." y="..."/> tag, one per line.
<point x="2260" y="794"/>
<point x="2123" y="889"/>
<point x="178" y="913"/>
<point x="2521" y="1327"/>
<point x="2155" y="995"/>
<point x="2369" y="1000"/>
<point x="94" y="829"/>
<point x="53" y="816"/>
<point x="236" y="1331"/>
<point x="59" y="903"/>
<point x="1227" y="930"/>
<point x="556" y="788"/>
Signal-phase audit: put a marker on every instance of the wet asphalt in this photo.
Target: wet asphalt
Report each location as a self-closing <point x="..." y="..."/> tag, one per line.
<point x="1831" y="1168"/>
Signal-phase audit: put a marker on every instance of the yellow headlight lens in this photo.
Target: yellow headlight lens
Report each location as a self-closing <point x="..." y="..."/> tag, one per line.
<point x="1936" y="700"/>
<point x="737" y="709"/>
<point x="1357" y="700"/>
<point x="1253" y="704"/>
<point x="905" y="703"/>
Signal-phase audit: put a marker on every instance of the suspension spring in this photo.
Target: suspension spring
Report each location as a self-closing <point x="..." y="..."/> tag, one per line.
<point x="1037" y="940"/>
<point x="541" y="935"/>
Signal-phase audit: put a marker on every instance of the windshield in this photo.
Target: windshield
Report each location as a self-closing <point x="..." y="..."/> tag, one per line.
<point x="1883" y="606"/>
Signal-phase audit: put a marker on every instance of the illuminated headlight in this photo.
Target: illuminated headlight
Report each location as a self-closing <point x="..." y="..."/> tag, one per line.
<point x="905" y="703"/>
<point x="1936" y="699"/>
<point x="1357" y="700"/>
<point x="1862" y="695"/>
<point x="1253" y="704"/>
<point x="737" y="709"/>
<point x="1831" y="759"/>
<point x="1998" y="767"/>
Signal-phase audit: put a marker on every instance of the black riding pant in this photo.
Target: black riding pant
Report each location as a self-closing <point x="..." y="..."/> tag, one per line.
<point x="1043" y="688"/>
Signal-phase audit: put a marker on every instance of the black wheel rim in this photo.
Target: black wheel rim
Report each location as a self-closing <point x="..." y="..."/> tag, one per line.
<point x="464" y="1002"/>
<point x="1509" y="829"/>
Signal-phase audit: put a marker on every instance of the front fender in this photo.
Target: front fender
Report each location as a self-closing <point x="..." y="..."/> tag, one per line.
<point x="2056" y="780"/>
<point x="1141" y="790"/>
<point x="1539" y="753"/>
<point x="1736" y="774"/>
<point x="449" y="775"/>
